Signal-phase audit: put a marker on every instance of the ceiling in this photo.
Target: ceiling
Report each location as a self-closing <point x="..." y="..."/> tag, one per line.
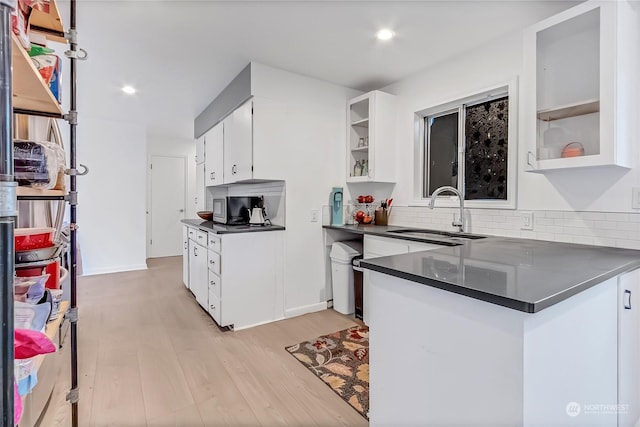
<point x="181" y="54"/>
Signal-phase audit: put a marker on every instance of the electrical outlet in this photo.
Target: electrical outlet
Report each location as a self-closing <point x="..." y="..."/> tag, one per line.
<point x="635" y="198"/>
<point x="527" y="221"/>
<point x="315" y="214"/>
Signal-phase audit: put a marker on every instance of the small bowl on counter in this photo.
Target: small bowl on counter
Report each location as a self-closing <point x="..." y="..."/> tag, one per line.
<point x="206" y="215"/>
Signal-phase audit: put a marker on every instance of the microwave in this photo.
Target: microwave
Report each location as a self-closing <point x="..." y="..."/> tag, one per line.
<point x="234" y="210"/>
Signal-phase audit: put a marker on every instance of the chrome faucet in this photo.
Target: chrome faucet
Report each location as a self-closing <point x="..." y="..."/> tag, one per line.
<point x="432" y="202"/>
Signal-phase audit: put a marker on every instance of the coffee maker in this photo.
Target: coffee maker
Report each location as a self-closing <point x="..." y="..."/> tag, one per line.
<point x="337" y="205"/>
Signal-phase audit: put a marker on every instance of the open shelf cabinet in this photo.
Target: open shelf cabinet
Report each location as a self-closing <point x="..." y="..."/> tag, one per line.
<point x="370" y="138"/>
<point x="578" y="72"/>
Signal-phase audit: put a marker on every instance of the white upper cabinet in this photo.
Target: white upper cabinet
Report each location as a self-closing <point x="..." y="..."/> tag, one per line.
<point x="371" y="121"/>
<point x="214" y="149"/>
<point x="200" y="150"/>
<point x="579" y="72"/>
<point x="238" y="144"/>
<point x="200" y="198"/>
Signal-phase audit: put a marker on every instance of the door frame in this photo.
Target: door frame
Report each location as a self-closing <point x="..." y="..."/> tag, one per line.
<point x="149" y="214"/>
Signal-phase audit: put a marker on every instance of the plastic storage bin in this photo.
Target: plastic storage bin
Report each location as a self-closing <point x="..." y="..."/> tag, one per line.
<point x="33" y="238"/>
<point x="342" y="274"/>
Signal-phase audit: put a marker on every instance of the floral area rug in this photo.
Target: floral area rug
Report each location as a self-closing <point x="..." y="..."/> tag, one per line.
<point x="341" y="360"/>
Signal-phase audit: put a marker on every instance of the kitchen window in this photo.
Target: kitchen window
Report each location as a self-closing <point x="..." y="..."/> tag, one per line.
<point x="470" y="144"/>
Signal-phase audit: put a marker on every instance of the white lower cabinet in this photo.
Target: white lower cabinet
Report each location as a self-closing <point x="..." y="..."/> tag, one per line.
<point x="214" y="308"/>
<point x="375" y="247"/>
<point x="185" y="256"/>
<point x="629" y="349"/>
<point x="198" y="277"/>
<point x="238" y="278"/>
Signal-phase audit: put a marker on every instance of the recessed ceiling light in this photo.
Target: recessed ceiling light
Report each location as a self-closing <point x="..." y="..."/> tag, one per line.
<point x="385" y="34"/>
<point x="129" y="90"/>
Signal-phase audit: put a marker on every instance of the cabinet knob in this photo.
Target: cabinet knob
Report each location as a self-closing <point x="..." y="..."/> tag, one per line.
<point x="211" y="261"/>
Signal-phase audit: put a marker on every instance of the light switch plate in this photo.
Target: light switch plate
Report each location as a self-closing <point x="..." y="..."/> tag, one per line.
<point x="527" y="221"/>
<point x="635" y="198"/>
<point x="315" y="214"/>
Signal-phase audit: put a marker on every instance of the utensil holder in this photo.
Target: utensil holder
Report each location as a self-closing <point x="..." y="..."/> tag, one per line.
<point x="382" y="216"/>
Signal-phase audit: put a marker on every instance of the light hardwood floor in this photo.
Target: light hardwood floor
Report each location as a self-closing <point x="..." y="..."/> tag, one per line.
<point x="149" y="356"/>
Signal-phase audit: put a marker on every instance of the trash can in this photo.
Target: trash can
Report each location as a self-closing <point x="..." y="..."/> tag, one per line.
<point x="342" y="253"/>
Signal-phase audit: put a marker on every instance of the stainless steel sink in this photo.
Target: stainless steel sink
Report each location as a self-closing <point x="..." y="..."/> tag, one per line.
<point x="434" y="234"/>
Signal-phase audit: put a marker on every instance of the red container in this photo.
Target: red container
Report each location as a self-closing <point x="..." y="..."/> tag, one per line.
<point x="29" y="272"/>
<point x="53" y="269"/>
<point x="33" y="238"/>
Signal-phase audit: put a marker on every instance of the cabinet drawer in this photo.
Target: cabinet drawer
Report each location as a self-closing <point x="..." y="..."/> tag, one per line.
<point x="201" y="237"/>
<point x="192" y="233"/>
<point x="214" y="284"/>
<point x="213" y="262"/>
<point x="214" y="309"/>
<point x="214" y="242"/>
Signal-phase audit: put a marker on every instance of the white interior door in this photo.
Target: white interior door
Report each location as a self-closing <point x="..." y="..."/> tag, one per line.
<point x="167" y="205"/>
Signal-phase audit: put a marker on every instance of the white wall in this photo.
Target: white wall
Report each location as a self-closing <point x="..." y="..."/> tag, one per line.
<point x="111" y="198"/>
<point x="299" y="137"/>
<point x="604" y="190"/>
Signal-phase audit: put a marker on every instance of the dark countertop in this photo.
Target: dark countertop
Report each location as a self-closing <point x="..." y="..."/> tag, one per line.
<point x="387" y="231"/>
<point x="214" y="227"/>
<point x="525" y="275"/>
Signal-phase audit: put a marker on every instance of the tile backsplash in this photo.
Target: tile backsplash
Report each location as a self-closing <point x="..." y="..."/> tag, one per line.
<point x="620" y="230"/>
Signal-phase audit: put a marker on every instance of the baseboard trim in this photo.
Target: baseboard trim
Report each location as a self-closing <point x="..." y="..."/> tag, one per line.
<point x="305" y="309"/>
<point x="239" y="328"/>
<point x="116" y="269"/>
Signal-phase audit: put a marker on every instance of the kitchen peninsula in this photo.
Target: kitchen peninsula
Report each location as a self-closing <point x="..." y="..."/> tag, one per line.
<point x="500" y="331"/>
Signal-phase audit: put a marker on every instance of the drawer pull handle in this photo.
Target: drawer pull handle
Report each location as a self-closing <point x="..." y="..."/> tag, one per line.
<point x="627" y="302"/>
<point x="211" y="261"/>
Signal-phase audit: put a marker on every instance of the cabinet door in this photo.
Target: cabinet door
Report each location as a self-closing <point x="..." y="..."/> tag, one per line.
<point x="629" y="348"/>
<point x="200" y="150"/>
<point x="185" y="255"/>
<point x="214" y="146"/>
<point x="198" y="273"/>
<point x="375" y="247"/>
<point x="238" y="144"/>
<point x="200" y="199"/>
<point x="193" y="274"/>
